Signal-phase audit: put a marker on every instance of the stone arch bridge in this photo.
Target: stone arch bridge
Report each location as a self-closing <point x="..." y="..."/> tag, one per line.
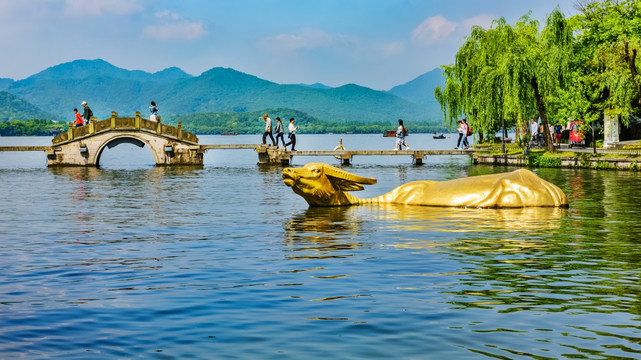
<point x="83" y="145"/>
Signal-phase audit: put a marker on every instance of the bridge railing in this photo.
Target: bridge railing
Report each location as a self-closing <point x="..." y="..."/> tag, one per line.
<point x="124" y="123"/>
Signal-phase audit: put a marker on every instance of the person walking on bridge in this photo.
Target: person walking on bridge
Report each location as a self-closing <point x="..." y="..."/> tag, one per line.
<point x="466" y="132"/>
<point x="87" y="114"/>
<point x="78" y="120"/>
<point x="279" y="132"/>
<point x="292" y="135"/>
<point x="401" y="132"/>
<point x="268" y="130"/>
<point x="153" y="110"/>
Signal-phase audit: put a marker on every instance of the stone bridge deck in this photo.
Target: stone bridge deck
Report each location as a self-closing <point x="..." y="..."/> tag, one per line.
<point x="83" y="145"/>
<point x="115" y="123"/>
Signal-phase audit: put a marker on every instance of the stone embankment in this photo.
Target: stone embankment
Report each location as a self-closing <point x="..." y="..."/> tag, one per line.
<point x="576" y="158"/>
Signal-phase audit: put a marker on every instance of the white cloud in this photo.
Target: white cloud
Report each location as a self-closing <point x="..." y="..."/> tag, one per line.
<point x="482" y="20"/>
<point x="182" y="30"/>
<point x="305" y="39"/>
<point x="167" y="15"/>
<point x="171" y="26"/>
<point x="101" y="7"/>
<point x="433" y="30"/>
<point x="437" y="29"/>
<point x="393" y="48"/>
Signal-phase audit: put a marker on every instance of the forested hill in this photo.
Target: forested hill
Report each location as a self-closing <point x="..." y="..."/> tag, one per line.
<point x="14" y="108"/>
<point x="107" y="88"/>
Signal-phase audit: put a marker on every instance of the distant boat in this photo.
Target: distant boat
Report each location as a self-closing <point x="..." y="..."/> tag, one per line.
<point x="228" y="134"/>
<point x="389" y="133"/>
<point x="439" y="136"/>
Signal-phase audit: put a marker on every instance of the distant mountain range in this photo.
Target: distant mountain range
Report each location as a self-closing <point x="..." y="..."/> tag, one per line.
<point x="54" y="93"/>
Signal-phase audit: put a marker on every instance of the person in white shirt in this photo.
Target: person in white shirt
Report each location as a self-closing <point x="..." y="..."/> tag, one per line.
<point x="460" y="134"/>
<point x="465" y="127"/>
<point x="400" y="136"/>
<point x="534" y="132"/>
<point x="292" y="134"/>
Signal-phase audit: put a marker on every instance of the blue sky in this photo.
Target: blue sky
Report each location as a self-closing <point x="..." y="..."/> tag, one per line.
<point x="373" y="43"/>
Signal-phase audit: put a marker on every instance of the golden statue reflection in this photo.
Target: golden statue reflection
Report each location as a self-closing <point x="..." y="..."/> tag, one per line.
<point x="325" y="185"/>
<point x="327" y="232"/>
<point x="323" y="233"/>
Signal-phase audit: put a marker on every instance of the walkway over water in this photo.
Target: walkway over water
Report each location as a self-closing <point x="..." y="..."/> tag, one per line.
<point x="282" y="156"/>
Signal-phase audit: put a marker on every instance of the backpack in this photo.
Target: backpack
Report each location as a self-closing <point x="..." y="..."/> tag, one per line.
<point x="90" y="113"/>
<point x="469" y="130"/>
<point x="404" y="131"/>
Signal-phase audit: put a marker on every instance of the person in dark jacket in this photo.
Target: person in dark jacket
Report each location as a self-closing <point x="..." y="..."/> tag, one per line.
<point x="279" y="131"/>
<point x="87" y="114"/>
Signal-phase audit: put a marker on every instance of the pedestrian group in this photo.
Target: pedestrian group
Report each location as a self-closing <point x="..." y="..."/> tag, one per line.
<point x="280" y="132"/>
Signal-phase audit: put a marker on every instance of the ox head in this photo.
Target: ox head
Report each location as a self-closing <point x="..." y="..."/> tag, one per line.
<point x="324" y="185"/>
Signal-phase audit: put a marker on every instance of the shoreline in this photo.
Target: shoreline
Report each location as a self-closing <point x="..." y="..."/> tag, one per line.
<point x="584" y="161"/>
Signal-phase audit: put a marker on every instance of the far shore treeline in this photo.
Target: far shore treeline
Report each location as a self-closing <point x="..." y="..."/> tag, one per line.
<point x="232" y="122"/>
<point x="34" y="127"/>
<point x="252" y="123"/>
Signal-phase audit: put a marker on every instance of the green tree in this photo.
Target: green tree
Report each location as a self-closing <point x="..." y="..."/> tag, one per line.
<point x="605" y="68"/>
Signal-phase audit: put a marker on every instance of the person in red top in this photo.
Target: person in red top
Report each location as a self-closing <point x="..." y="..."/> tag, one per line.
<point x="79" y="121"/>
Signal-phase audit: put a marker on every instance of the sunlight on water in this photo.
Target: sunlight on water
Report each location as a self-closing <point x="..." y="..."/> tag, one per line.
<point x="225" y="261"/>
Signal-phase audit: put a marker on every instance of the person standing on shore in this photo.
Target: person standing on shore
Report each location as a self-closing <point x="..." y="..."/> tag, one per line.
<point x="87" y="114"/>
<point x="534" y="132"/>
<point x="558" y="130"/>
<point x="292" y="135"/>
<point x="279" y="132"/>
<point x="268" y="130"/>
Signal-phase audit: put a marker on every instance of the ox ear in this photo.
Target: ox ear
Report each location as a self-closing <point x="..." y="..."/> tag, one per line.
<point x="345" y="185"/>
<point x="346" y="181"/>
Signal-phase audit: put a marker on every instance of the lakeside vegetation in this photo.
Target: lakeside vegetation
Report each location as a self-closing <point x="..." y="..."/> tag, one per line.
<point x="583" y="67"/>
<point x="34" y="127"/>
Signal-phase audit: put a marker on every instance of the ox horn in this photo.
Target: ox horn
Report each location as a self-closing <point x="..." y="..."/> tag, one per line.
<point x="342" y="174"/>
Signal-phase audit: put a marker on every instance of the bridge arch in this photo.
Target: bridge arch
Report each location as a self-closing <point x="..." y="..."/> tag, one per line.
<point x="126" y="139"/>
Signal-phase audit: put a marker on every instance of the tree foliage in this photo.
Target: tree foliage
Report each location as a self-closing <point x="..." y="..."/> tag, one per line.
<point x="605" y="69"/>
<point x="34" y="127"/>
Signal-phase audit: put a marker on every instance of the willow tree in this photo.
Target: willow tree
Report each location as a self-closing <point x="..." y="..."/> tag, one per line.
<point x="508" y="73"/>
<point x="475" y="84"/>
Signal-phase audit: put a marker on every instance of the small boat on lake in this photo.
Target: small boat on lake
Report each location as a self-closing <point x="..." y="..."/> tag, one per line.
<point x="442" y="136"/>
<point x="389" y="133"/>
<point x="228" y="134"/>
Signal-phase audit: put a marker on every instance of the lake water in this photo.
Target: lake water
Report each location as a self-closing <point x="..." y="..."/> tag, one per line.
<point x="226" y="262"/>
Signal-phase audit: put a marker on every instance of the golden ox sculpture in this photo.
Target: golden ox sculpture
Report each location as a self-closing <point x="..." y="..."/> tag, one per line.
<point x="325" y="185"/>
